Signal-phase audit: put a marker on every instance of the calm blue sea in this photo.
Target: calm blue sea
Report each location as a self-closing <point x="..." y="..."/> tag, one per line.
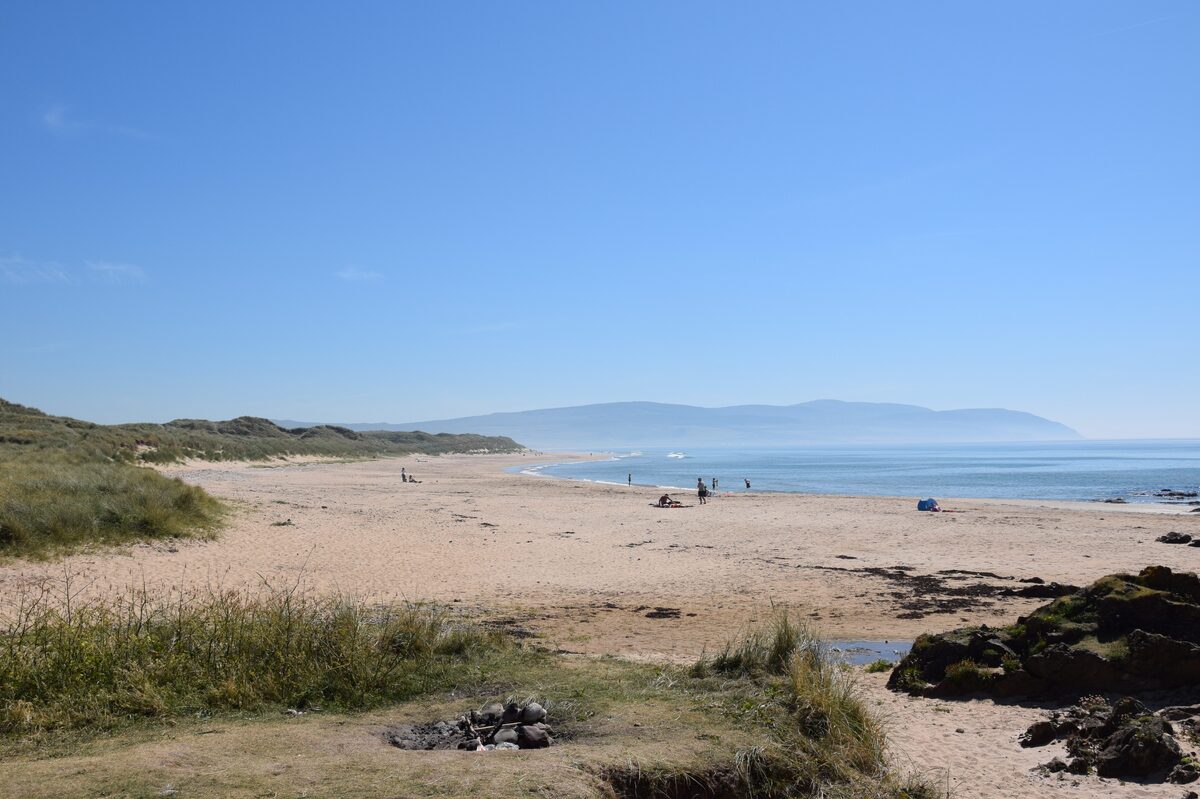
<point x="1078" y="470"/>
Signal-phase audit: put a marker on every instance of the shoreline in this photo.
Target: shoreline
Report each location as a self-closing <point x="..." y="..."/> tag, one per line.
<point x="590" y="570"/>
<point x="537" y="470"/>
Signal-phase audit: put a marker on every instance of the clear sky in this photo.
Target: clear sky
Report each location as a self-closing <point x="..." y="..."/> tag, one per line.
<point x="385" y="211"/>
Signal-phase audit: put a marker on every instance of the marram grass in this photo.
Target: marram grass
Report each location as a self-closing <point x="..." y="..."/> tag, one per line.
<point x="66" y="664"/>
<point x="55" y="504"/>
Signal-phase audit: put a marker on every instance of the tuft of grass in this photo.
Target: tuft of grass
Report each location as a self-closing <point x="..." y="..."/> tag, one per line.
<point x="65" y="665"/>
<point x="878" y="666"/>
<point x="55" y="503"/>
<point x="825" y="741"/>
<point x="766" y="649"/>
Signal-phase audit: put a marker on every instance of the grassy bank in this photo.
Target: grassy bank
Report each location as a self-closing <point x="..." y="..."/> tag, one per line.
<point x="67" y="483"/>
<point x="87" y="693"/>
<point x="52" y="504"/>
<point x="105" y="663"/>
<point x="24" y="429"/>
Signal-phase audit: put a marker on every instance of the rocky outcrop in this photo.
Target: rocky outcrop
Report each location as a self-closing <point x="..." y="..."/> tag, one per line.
<point x="1123" y="633"/>
<point x="1122" y="740"/>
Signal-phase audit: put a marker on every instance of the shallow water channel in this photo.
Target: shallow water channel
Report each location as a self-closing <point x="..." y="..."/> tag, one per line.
<point x="858" y="653"/>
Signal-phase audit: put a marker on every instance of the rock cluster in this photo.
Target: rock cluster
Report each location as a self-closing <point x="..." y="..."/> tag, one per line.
<point x="1124" y="633"/>
<point x="1124" y="739"/>
<point x="1178" y="538"/>
<point x="495" y="726"/>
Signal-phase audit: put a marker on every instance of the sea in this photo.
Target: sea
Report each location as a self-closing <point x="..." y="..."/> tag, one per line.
<point x="1131" y="471"/>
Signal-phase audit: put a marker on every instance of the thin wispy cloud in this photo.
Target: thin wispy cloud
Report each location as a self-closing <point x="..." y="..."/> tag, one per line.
<point x="23" y="272"/>
<point x="1133" y="26"/>
<point x="352" y="274"/>
<point x="59" y="121"/>
<point x="110" y="272"/>
<point x="20" y="271"/>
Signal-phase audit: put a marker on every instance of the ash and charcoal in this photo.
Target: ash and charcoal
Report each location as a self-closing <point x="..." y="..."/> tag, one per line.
<point x="493" y="727"/>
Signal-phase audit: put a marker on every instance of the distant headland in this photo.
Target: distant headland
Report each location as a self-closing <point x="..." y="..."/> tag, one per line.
<point x="651" y="424"/>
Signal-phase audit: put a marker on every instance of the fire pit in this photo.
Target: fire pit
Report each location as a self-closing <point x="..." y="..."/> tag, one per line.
<point x="495" y="726"/>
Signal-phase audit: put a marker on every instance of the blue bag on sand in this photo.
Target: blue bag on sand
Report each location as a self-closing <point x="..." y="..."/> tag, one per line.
<point x="926" y="504"/>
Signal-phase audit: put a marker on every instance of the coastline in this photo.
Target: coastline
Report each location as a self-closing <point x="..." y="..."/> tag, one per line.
<point x="591" y="570"/>
<point x="565" y="458"/>
<point x="568" y="549"/>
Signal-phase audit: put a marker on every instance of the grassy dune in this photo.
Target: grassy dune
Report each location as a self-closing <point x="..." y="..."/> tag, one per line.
<point x="89" y="694"/>
<point x="66" y="483"/>
<point x="244" y="438"/>
<point x="53" y="504"/>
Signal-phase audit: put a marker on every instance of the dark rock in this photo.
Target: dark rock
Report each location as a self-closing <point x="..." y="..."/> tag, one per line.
<point x="1018" y="683"/>
<point x="490" y="714"/>
<point x="1123" y="633"/>
<point x="1158" y="661"/>
<point x="1174" y="538"/>
<point x="1054" y="766"/>
<point x="512" y="713"/>
<point x="1125" y="708"/>
<point x="1041" y="591"/>
<point x="1184" y="773"/>
<point x="1072" y="669"/>
<point x="1180" y="712"/>
<point x="1078" y="765"/>
<point x="532" y="713"/>
<point x="1039" y="733"/>
<point x="1138" y="749"/>
<point x="1116" y="501"/>
<point x="531" y="737"/>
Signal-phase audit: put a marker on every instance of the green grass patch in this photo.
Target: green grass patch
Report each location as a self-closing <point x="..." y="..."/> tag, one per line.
<point x="105" y="663"/>
<point x="878" y="666"/>
<point x="29" y="430"/>
<point x="53" y="504"/>
<point x="789" y="725"/>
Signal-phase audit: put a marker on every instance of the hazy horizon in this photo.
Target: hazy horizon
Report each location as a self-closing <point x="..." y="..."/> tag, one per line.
<point x="403" y="211"/>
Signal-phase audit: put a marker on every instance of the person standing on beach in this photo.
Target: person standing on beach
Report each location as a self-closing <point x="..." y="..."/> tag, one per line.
<point x="714" y="485"/>
<point x="701" y="490"/>
<point x="747" y="479"/>
<point x="403" y="476"/>
<point x="631" y="479"/>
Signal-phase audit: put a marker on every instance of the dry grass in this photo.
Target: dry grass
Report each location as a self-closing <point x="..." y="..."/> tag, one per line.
<point x="191" y="689"/>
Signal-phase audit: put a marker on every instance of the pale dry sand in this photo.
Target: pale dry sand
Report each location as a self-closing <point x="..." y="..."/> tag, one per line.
<point x="582" y="564"/>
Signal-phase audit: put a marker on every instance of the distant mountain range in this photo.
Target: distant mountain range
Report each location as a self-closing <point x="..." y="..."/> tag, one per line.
<point x="652" y="424"/>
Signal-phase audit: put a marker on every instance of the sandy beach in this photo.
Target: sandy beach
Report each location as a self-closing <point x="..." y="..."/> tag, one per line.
<point x="594" y="569"/>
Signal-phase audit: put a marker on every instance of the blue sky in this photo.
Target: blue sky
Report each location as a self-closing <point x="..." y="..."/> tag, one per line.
<point x="400" y="211"/>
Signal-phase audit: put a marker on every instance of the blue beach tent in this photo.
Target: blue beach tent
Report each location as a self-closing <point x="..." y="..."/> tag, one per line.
<point x="926" y="504"/>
